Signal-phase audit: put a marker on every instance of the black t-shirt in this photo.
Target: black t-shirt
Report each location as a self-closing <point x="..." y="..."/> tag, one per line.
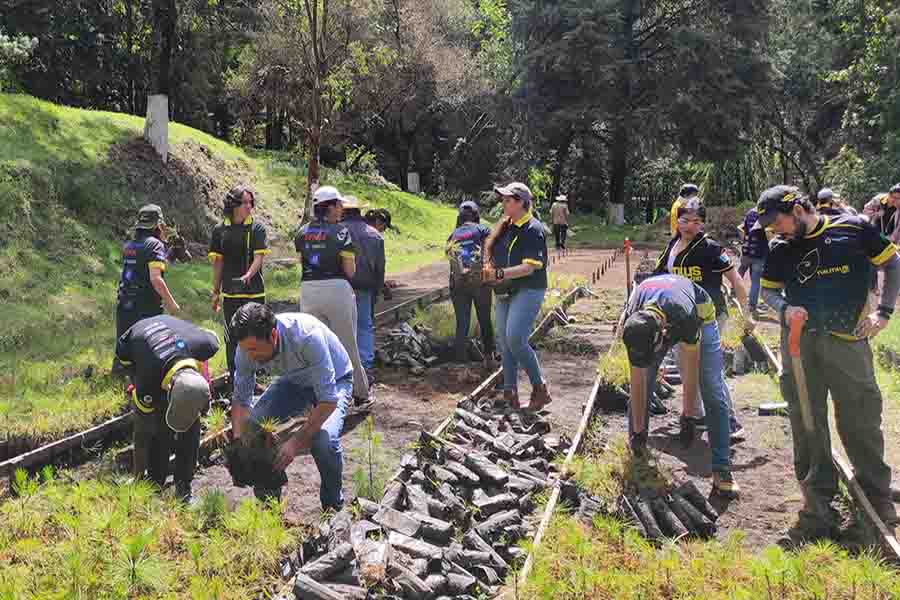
<point x="322" y="246"/>
<point x="523" y="242"/>
<point x="155" y="348"/>
<point x="685" y="304"/>
<point x="469" y="238"/>
<point x="139" y="255"/>
<point x="237" y="246"/>
<point x="829" y="271"/>
<point x="703" y="262"/>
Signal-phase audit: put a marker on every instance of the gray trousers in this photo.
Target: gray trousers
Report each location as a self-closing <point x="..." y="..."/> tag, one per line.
<point x="333" y="302"/>
<point x="846" y="370"/>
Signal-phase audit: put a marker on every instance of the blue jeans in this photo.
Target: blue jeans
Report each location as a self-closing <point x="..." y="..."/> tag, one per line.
<point x="283" y="400"/>
<point x="756" y="271"/>
<point x="712" y="388"/>
<point x="515" y="318"/>
<point x="365" y="328"/>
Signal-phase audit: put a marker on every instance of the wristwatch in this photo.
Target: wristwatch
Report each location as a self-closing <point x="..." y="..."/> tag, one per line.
<point x="498" y="273"/>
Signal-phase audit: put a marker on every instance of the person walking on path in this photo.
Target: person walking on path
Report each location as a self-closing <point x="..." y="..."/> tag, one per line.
<point x="696" y="256"/>
<point x="328" y="265"/>
<point x="142" y="291"/>
<point x="236" y="249"/>
<point x="466" y="253"/>
<point x="754" y="250"/>
<point x="314" y="376"/>
<point x="819" y="272"/>
<point x="559" y="215"/>
<point x="515" y="263"/>
<point x="367" y="280"/>
<point x="163" y="355"/>
<point x="665" y="310"/>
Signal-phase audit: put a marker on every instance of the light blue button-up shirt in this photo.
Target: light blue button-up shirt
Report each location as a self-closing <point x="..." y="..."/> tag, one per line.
<point x="308" y="354"/>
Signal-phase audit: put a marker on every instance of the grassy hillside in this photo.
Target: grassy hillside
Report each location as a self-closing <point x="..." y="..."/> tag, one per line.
<point x="71" y="181"/>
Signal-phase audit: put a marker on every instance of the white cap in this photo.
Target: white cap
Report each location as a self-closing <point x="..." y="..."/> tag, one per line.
<point x="326" y="193"/>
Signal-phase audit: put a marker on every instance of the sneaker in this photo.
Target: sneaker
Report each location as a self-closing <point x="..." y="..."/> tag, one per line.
<point x="737" y="433"/>
<point x="725" y="485"/>
<point x="687" y="430"/>
<point x="638" y="444"/>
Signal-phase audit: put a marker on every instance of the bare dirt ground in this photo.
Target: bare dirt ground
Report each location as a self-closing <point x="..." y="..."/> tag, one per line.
<point x="407" y="404"/>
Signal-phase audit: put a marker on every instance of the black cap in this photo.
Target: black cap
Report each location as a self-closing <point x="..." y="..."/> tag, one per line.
<point x="640" y="334"/>
<point x="895" y="189"/>
<point x="778" y="199"/>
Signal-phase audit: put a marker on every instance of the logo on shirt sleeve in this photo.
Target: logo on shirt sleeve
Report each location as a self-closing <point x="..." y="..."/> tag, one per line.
<point x="808" y="266"/>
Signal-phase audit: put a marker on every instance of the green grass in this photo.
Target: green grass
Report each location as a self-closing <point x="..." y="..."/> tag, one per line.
<point x="68" y="203"/>
<point x="611" y="562"/>
<point x="108" y="539"/>
<point x="591" y="230"/>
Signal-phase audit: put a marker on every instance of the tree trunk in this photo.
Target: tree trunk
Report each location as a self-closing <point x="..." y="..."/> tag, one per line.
<point x="618" y="155"/>
<point x="165" y="13"/>
<point x="129" y="40"/>
<point x="562" y="157"/>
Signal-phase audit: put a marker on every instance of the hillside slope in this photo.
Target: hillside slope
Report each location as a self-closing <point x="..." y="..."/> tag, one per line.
<point x="71" y="181"/>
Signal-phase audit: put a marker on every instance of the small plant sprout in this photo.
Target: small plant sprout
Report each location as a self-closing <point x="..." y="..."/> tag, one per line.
<point x="370" y="478"/>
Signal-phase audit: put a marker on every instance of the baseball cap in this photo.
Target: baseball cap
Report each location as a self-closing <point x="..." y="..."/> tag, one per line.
<point x="150" y="216"/>
<point x="780" y="198"/>
<point x="693" y="205"/>
<point x="825" y="195"/>
<point x="516" y="189"/>
<point x="469" y="205"/>
<point x="562" y="198"/>
<point x="352" y="202"/>
<point x="326" y="193"/>
<point x="895" y="189"/>
<point x="688" y="189"/>
<point x="188" y="397"/>
<point x="641" y="334"/>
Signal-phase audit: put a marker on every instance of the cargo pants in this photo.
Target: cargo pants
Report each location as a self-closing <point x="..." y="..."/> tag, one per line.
<point x="846" y="370"/>
<point x="154" y="443"/>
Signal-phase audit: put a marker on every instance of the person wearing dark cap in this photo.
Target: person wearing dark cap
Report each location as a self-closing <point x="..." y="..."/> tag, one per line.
<point x="818" y="273"/>
<point x="164" y="357"/>
<point x="559" y="214"/>
<point x="665" y="310"/>
<point x="465" y="249"/>
<point x="142" y="290"/>
<point x="368" y="279"/>
<point x="754" y="250"/>
<point x="515" y="263"/>
<point x="688" y="190"/>
<point x="236" y="249"/>
<point x="829" y="203"/>
<point x="696" y="256"/>
<point x="328" y="262"/>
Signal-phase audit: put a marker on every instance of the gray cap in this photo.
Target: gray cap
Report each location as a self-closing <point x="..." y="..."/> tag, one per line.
<point x="150" y="217"/>
<point x="469" y="205"/>
<point x="188" y="397"/>
<point x="516" y="189"/>
<point x="825" y="194"/>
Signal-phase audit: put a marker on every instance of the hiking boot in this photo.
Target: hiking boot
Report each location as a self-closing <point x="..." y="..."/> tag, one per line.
<point x="638" y="444"/>
<point x="687" y="431"/>
<point x="183" y="492"/>
<point x="540" y="397"/>
<point x="511" y="399"/>
<point x="724" y="484"/>
<point x="737" y="433"/>
<point x="808" y="529"/>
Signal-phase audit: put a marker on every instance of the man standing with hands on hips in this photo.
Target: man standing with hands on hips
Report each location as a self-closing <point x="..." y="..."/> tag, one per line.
<point x="819" y="273"/>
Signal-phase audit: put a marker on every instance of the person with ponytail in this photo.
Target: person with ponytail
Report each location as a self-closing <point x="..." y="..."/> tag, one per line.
<point x="515" y="263"/>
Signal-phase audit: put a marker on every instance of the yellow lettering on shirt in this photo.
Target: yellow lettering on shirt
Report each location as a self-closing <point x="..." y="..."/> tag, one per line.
<point x="694" y="273"/>
<point x="842" y="269"/>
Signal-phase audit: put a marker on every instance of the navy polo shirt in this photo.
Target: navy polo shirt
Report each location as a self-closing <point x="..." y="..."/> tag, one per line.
<point x="237" y="244"/>
<point x="523" y="242"/>
<point x="322" y="245"/>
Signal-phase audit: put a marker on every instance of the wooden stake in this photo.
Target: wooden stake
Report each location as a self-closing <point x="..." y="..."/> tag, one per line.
<point x="628" y="267"/>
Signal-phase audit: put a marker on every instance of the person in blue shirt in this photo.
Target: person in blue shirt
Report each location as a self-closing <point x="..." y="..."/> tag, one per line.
<point x="314" y="374"/>
<point x="515" y="263"/>
<point x="754" y="250"/>
<point x="465" y="249"/>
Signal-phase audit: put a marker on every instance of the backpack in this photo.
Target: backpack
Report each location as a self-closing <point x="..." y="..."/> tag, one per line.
<point x="465" y="266"/>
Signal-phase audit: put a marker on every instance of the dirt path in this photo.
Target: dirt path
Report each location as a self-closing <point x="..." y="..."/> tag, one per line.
<point x="407" y="404"/>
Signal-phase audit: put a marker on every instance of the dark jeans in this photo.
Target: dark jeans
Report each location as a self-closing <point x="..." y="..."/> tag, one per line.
<point x="559" y="232"/>
<point x="463" y="298"/>
<point x="154" y="442"/>
<point x="229" y="307"/>
<point x="129" y="312"/>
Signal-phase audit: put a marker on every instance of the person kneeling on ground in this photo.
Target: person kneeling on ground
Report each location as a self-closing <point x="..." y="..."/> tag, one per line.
<point x="164" y="355"/>
<point x="665" y="310"/>
<point x="314" y="374"/>
<point x="819" y="271"/>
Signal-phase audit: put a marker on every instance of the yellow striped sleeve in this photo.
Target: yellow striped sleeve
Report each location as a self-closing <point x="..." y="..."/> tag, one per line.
<point x="263" y="251"/>
<point x="157" y="265"/>
<point x="772" y="285"/>
<point x="707" y="312"/>
<point x="885" y="255"/>
<point x="347" y="254"/>
<point x="531" y="261"/>
<point x="125" y="363"/>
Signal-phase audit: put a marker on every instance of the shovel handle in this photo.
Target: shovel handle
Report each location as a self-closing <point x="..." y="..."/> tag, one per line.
<point x="796" y="330"/>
